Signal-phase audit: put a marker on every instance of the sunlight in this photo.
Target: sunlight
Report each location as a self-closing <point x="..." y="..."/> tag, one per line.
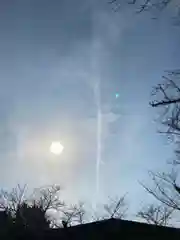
<point x="56" y="148"/>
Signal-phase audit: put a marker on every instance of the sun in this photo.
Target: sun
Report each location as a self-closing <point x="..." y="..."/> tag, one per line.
<point x="56" y="148"/>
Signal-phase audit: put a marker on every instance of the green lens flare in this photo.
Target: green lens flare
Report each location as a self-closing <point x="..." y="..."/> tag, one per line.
<point x="117" y="95"/>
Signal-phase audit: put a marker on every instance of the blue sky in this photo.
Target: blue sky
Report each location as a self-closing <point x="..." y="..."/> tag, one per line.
<point x="52" y="55"/>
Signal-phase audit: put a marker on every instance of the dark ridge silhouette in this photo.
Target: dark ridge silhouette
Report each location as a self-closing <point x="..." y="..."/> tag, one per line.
<point x="114" y="229"/>
<point x="105" y="229"/>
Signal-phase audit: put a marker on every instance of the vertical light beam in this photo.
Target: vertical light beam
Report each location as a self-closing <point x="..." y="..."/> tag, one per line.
<point x="98" y="132"/>
<point x="96" y="69"/>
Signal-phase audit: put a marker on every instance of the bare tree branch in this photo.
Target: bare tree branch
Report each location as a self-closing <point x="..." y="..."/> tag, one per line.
<point x="9" y="201"/>
<point x="114" y="208"/>
<point x="144" y="5"/>
<point x="158" y="215"/>
<point x="165" y="189"/>
<point x="74" y="214"/>
<point x="18" y="205"/>
<point x="48" y="197"/>
<point x="167" y="96"/>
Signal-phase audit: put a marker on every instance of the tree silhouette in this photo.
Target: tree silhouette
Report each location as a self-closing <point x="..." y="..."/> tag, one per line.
<point x="114" y="208"/>
<point x="167" y="100"/>
<point x="156" y="214"/>
<point x="32" y="217"/>
<point x="20" y="214"/>
<point x="30" y="212"/>
<point x="10" y="200"/>
<point x="73" y="215"/>
<point x="47" y="197"/>
<point x="6" y="224"/>
<point x="141" y="6"/>
<point x="166" y="187"/>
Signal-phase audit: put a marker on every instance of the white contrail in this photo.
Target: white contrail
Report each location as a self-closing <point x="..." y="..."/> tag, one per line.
<point x="98" y="132"/>
<point x="96" y="68"/>
<point x="97" y="98"/>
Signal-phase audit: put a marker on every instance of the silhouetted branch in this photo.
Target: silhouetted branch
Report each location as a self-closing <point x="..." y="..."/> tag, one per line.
<point x="73" y="215"/>
<point x="114" y="208"/>
<point x="48" y="197"/>
<point x="165" y="102"/>
<point x="144" y="5"/>
<point x="10" y="200"/>
<point x="158" y="215"/>
<point x="167" y="96"/>
<point x="165" y="189"/>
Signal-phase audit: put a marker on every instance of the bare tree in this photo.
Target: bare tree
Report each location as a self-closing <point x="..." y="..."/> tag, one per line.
<point x="31" y="212"/>
<point x="154" y="7"/>
<point x="44" y="197"/>
<point x="19" y="206"/>
<point x="10" y="200"/>
<point x="165" y="185"/>
<point x="114" y="208"/>
<point x="30" y="216"/>
<point x="73" y="214"/>
<point x="158" y="215"/>
<point x="142" y="5"/>
<point x="165" y="189"/>
<point x="47" y="197"/>
<point x="167" y="99"/>
<point x="78" y="213"/>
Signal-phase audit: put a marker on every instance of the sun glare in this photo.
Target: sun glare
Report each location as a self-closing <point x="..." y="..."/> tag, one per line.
<point x="56" y="148"/>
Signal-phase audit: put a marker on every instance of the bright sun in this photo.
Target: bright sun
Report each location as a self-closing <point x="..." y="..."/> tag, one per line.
<point x="56" y="148"/>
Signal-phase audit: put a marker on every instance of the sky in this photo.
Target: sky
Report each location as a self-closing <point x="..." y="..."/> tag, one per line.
<point x="55" y="55"/>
